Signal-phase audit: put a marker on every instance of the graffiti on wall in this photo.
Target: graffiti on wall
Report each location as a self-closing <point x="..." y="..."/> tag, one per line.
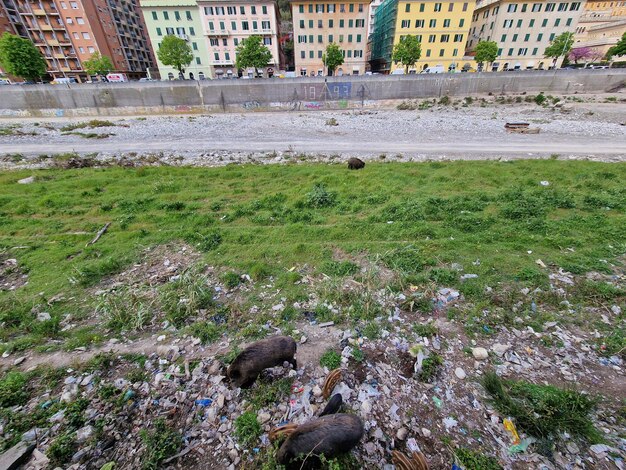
<point x="327" y="91"/>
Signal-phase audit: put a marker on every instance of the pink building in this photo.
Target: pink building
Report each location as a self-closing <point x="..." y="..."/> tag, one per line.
<point x="226" y="23"/>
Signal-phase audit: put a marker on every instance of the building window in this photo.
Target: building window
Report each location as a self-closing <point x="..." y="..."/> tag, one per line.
<point x="442" y="52"/>
<point x="319" y="8"/>
<point x="349" y="53"/>
<point x="310" y="38"/>
<point x="535" y="51"/>
<point x="320" y="23"/>
<point x="267" y="41"/>
<point x="422" y="5"/>
<point x="557" y="21"/>
<point x="536" y="7"/>
<point x="358" y="38"/>
<point x="330" y="23"/>
<point x="319" y="38"/>
<point x="433" y="23"/>
<point x="177" y="15"/>
<point x="214" y="42"/>
<point x="330" y="38"/>
<point x="64" y="5"/>
<point x="198" y="60"/>
<point x="265" y="25"/>
<point x="455" y="52"/>
<point x="194" y="46"/>
<point x="522" y="51"/>
<point x="216" y="55"/>
<point x="437" y="6"/>
<point x="407" y="8"/>
<point x="319" y="54"/>
<point x="74" y="5"/>
<point x="158" y="31"/>
<point x="512" y="8"/>
<point x="236" y="41"/>
<point x="233" y="25"/>
<point x="342" y="23"/>
<point x="360" y="23"/>
<point x="301" y="9"/>
<point x="446" y="23"/>
<point x="253" y="10"/>
<point x="86" y="36"/>
<point x="310" y="8"/>
<point x="255" y="25"/>
<point x="154" y="15"/>
<point x="351" y="8"/>
<point x="465" y="7"/>
<point x="302" y="56"/>
<point x="552" y="37"/>
<point x="76" y="36"/>
<point x="508" y="23"/>
<point x="519" y="23"/>
<point x="80" y="20"/>
<point x="515" y="38"/>
<point x="245" y="26"/>
<point x="524" y="8"/>
<point x="360" y="8"/>
<point x="527" y="38"/>
<point x="264" y="9"/>
<point x="350" y="23"/>
<point x="208" y="11"/>
<point x="188" y="15"/>
<point x="331" y="8"/>
<point x="510" y="51"/>
<point x="419" y="23"/>
<point x="568" y="22"/>
<point x="539" y="37"/>
<point x="531" y="23"/>
<point x="211" y="26"/>
<point x="349" y="37"/>
<point x="499" y="52"/>
<point x="301" y="24"/>
<point x="341" y="38"/>
<point x="458" y="38"/>
<point x="432" y="38"/>
<point x="563" y="6"/>
<point x="69" y="21"/>
<point x="575" y="6"/>
<point x="166" y="15"/>
<point x="462" y="22"/>
<point x="242" y="10"/>
<point x="81" y="50"/>
<point x="311" y="56"/>
<point x="406" y="23"/>
<point x="227" y="56"/>
<point x="192" y="31"/>
<point x="219" y="11"/>
<point x="301" y="39"/>
<point x="550" y="6"/>
<point x="445" y="38"/>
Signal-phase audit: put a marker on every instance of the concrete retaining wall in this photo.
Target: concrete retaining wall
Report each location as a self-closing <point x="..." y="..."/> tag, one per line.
<point x="288" y="94"/>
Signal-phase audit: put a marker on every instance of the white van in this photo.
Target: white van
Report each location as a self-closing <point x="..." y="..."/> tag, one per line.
<point x="117" y="77"/>
<point x="435" y="69"/>
<point x="398" y="72"/>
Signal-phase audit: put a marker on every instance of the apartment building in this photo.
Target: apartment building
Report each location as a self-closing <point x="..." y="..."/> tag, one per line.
<point x="318" y="23"/>
<point x="441" y="27"/>
<point x="522" y="30"/>
<point x="68" y="32"/>
<point x="179" y="18"/>
<point x="226" y="23"/>
<point x="601" y="26"/>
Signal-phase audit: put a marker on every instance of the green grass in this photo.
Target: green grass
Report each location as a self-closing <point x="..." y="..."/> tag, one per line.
<point x="247" y="428"/>
<point x="88" y="125"/>
<point x="430" y="367"/>
<point x="543" y="411"/>
<point x="264" y="220"/>
<point x="471" y="460"/>
<point x="12" y="389"/>
<point x="268" y="393"/>
<point x="330" y="359"/>
<point x="62" y="449"/>
<point x="161" y="442"/>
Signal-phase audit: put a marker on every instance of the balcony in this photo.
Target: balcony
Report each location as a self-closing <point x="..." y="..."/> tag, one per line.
<point x="58" y="55"/>
<point x="183" y="36"/>
<point x="39" y="12"/>
<point x="45" y="27"/>
<point x="53" y="42"/>
<point x="218" y="32"/>
<point x="222" y="62"/>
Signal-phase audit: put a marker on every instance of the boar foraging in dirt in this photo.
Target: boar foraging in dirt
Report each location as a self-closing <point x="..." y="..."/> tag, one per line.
<point x="264" y="354"/>
<point x="333" y="405"/>
<point x="329" y="436"/>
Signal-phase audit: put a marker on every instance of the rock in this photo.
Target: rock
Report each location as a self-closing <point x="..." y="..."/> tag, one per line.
<point x="460" y="373"/>
<point x="220" y="401"/>
<point x="43" y="316"/>
<point x="317" y="392"/>
<point x="70" y="393"/>
<point x="264" y="417"/>
<point x="160" y="338"/>
<point x="480" y="353"/>
<point x="426" y="432"/>
<point x="16" y="455"/>
<point x="80" y="455"/>
<point x="303" y="339"/>
<point x="84" y="434"/>
<point x="402" y="433"/>
<point x="19" y="360"/>
<point x="29" y="180"/>
<point x="366" y="407"/>
<point x="500" y="349"/>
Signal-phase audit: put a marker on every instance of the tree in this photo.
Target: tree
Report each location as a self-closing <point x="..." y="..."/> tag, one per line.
<point x="332" y="58"/>
<point x="486" y="51"/>
<point x="176" y="52"/>
<point x="560" y="46"/>
<point x="21" y="58"/>
<point x="251" y="52"/>
<point x="407" y="51"/>
<point x="580" y="53"/>
<point x="98" y="64"/>
<point x="618" y="49"/>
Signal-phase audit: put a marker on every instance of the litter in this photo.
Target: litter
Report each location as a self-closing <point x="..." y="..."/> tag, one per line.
<point x="510" y="427"/>
<point x="522" y="446"/>
<point x="204" y="402"/>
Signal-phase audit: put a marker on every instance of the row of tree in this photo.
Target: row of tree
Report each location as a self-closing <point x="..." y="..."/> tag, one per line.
<point x="408" y="51"/>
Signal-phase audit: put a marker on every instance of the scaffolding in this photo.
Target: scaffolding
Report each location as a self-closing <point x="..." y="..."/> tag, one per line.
<point x="382" y="39"/>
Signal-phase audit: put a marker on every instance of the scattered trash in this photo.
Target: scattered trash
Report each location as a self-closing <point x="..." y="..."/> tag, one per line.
<point x="204" y="402"/>
<point x="510" y="427"/>
<point x="522" y="446"/>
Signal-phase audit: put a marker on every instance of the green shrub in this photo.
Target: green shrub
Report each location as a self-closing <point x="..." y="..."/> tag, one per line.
<point x="430" y="367"/>
<point x="247" y="428"/>
<point x="13" y="389"/>
<point x="476" y="460"/>
<point x="160" y="443"/>
<point x="208" y="332"/>
<point x="330" y="359"/>
<point x="320" y="197"/>
<point x="231" y="279"/>
<point x="540" y="99"/>
<point x="61" y="450"/>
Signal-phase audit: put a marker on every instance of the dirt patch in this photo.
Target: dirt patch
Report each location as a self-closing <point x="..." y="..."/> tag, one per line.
<point x="11" y="275"/>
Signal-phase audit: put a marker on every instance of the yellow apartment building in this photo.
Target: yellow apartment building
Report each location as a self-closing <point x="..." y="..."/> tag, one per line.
<point x="600" y="27"/>
<point x="441" y="27"/>
<point x="317" y="23"/>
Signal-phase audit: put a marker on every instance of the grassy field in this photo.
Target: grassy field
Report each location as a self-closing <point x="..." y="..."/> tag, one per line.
<point x="493" y="218"/>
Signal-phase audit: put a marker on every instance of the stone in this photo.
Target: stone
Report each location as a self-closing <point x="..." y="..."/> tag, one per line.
<point x="480" y="353"/>
<point x="366" y="407"/>
<point x="19" y="360"/>
<point x="264" y="417"/>
<point x="84" y="434"/>
<point x="160" y="338"/>
<point x="426" y="432"/>
<point x="402" y="433"/>
<point x="460" y="373"/>
<point x="317" y="392"/>
<point x="29" y="180"/>
<point x="43" y="316"/>
<point x="500" y="349"/>
<point x="16" y="455"/>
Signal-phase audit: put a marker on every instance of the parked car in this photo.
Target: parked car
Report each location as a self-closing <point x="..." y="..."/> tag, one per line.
<point x="398" y="72"/>
<point x="63" y="80"/>
<point x="5" y="81"/>
<point x="117" y="77"/>
<point x="435" y="69"/>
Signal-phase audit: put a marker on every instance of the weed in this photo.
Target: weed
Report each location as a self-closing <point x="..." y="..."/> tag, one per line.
<point x="540" y="99"/>
<point x="443" y="276"/>
<point x="357" y="354"/>
<point x="160" y="443"/>
<point x="183" y="298"/>
<point x="260" y="271"/>
<point x="444" y="100"/>
<point x="320" y="197"/>
<point x="127" y="309"/>
<point x="90" y="124"/>
<point x="332" y="122"/>
<point x="430" y="367"/>
<point x="61" y="450"/>
<point x="205" y="241"/>
<point x="407" y="106"/>
<point x="89" y="135"/>
<point x="12" y="389"/>
<point x="471" y="460"/>
<point x="613" y="344"/>
<point x="543" y="411"/>
<point x="425" y="330"/>
<point x="407" y="260"/>
<point x="339" y="268"/>
<point x="231" y="279"/>
<point x="330" y="359"/>
<point x="137" y="375"/>
<point x="267" y="392"/>
<point x="247" y="428"/>
<point x="371" y="331"/>
<point x="74" y="413"/>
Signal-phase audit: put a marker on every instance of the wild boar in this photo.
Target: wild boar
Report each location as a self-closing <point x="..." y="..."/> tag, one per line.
<point x="355" y="163"/>
<point x="333" y="405"/>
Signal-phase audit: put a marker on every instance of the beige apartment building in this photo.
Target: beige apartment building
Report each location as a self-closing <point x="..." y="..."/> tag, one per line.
<point x="318" y="23"/>
<point x="522" y="30"/>
<point x="227" y="23"/>
<point x="600" y="27"/>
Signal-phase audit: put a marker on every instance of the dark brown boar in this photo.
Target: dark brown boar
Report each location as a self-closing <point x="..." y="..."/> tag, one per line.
<point x="355" y="163"/>
<point x="329" y="436"/>
<point x="269" y="352"/>
<point x="333" y="405"/>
